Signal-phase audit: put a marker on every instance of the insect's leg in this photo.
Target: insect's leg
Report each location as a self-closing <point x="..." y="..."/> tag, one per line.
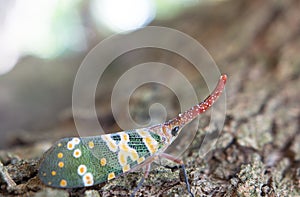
<point x="147" y="170"/>
<point x="146" y="173"/>
<point x="173" y="168"/>
<point x="180" y="162"/>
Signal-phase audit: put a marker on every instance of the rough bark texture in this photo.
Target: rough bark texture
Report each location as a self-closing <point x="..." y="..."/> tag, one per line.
<point x="258" y="154"/>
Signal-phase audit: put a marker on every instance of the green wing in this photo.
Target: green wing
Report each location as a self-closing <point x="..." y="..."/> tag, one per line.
<point x="79" y="162"/>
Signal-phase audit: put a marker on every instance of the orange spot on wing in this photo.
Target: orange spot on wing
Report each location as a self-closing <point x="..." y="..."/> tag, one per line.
<point x="150" y="144"/>
<point x="91" y="144"/>
<point x="63" y="183"/>
<point x="148" y="140"/>
<point x="77" y="153"/>
<point x="111" y="176"/>
<point x="88" y="178"/>
<point x="53" y="173"/>
<point x="61" y="164"/>
<point x="140" y="160"/>
<point x="126" y="168"/>
<point x="134" y="155"/>
<point x="60" y="155"/>
<point x="122" y="159"/>
<point x="143" y="133"/>
<point x="76" y="140"/>
<point x="70" y="145"/>
<point x="82" y="170"/>
<point x="125" y="137"/>
<point x="105" y="137"/>
<point x="124" y="147"/>
<point x="112" y="145"/>
<point x="89" y="182"/>
<point x="103" y="162"/>
<point x="153" y="148"/>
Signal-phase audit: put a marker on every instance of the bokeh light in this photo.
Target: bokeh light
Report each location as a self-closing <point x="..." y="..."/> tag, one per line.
<point x="40" y="28"/>
<point x="123" y="15"/>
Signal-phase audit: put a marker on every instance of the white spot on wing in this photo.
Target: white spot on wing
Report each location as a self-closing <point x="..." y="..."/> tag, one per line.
<point x="81" y="170"/>
<point x="70" y="145"/>
<point x="76" y="140"/>
<point x="77" y="153"/>
<point x="88" y="179"/>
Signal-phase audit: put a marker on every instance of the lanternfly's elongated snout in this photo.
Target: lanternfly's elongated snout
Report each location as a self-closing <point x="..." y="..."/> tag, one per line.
<point x="193" y="112"/>
<point x="184" y="118"/>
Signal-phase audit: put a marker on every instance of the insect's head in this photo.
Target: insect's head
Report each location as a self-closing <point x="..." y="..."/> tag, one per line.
<point x="172" y="129"/>
<point x="175" y="131"/>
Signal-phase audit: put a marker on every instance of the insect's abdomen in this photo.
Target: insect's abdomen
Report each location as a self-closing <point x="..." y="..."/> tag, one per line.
<point x="70" y="163"/>
<point x="79" y="162"/>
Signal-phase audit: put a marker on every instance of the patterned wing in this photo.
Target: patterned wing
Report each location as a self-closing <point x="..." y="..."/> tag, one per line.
<point x="79" y="162"/>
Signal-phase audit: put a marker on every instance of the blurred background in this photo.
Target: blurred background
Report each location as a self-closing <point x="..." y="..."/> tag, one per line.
<point x="42" y="44"/>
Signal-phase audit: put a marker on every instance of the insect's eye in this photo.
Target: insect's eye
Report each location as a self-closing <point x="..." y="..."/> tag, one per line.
<point x="175" y="130"/>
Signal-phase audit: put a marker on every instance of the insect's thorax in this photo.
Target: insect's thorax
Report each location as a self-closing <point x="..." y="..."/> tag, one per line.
<point x="165" y="132"/>
<point x="152" y="141"/>
<point x="141" y="141"/>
